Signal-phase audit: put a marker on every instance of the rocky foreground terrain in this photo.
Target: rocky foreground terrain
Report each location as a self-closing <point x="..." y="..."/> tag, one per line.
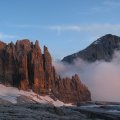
<point x="17" y="104"/>
<point x="37" y="111"/>
<point x="101" y="49"/>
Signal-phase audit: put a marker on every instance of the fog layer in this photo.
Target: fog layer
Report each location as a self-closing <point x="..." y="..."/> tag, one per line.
<point x="102" y="78"/>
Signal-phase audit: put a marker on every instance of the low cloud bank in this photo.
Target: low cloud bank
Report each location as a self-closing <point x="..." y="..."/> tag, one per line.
<point x="102" y="78"/>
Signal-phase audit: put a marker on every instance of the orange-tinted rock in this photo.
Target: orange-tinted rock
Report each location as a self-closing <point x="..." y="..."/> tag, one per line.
<point x="47" y="60"/>
<point x="38" y="71"/>
<point x="24" y="66"/>
<point x="71" y="90"/>
<point x="2" y="45"/>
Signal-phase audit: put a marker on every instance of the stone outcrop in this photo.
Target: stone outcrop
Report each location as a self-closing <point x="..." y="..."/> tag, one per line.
<point x="71" y="89"/>
<point x="23" y="65"/>
<point x="101" y="49"/>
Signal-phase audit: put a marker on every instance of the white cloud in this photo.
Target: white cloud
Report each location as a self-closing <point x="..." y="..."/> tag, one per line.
<point x="4" y="36"/>
<point x="28" y="26"/>
<point x="63" y="28"/>
<point x="58" y="28"/>
<point x="52" y="27"/>
<point x="94" y="29"/>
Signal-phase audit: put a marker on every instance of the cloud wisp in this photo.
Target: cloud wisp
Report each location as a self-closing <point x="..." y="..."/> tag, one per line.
<point x="102" y="78"/>
<point x="88" y="28"/>
<point x="5" y="36"/>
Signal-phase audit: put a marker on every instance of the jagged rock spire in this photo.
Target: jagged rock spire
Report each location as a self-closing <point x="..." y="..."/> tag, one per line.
<point x="27" y="68"/>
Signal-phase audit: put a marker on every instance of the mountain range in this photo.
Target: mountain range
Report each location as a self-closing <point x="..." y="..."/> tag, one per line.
<point x="28" y="77"/>
<point x="24" y="66"/>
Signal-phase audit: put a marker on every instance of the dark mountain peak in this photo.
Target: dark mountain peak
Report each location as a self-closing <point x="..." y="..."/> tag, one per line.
<point x="108" y="36"/>
<point x="101" y="49"/>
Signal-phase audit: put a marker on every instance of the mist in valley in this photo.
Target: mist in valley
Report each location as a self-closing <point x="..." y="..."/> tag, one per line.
<point x="102" y="78"/>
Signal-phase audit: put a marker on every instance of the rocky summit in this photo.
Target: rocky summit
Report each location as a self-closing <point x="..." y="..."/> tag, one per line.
<point x="24" y="66"/>
<point x="101" y="49"/>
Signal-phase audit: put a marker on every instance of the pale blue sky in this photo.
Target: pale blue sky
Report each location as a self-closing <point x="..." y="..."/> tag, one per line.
<point x="65" y="26"/>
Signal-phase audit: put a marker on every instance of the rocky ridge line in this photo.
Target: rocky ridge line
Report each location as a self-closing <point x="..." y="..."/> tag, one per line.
<point x="23" y="65"/>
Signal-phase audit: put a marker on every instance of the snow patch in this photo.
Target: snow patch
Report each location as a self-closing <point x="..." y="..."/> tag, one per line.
<point x="97" y="42"/>
<point x="10" y="94"/>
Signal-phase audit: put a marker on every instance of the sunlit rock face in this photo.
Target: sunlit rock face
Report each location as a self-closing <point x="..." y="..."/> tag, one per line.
<point x="24" y="66"/>
<point x="101" y="49"/>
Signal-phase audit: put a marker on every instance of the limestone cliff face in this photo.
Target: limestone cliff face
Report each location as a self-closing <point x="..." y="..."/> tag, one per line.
<point x="23" y="65"/>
